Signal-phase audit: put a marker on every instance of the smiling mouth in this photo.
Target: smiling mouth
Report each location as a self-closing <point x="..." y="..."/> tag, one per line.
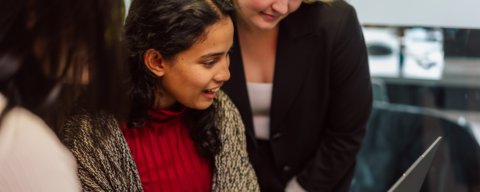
<point x="212" y="90"/>
<point x="270" y="17"/>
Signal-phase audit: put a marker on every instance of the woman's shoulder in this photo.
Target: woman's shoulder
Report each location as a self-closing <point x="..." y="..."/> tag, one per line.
<point x="329" y="7"/>
<point x="222" y="99"/>
<point x="85" y="126"/>
<point x="224" y="106"/>
<point x="321" y="13"/>
<point x="27" y="143"/>
<point x="20" y="128"/>
<point x="227" y="115"/>
<point x="104" y="159"/>
<point x="232" y="162"/>
<point x="326" y="19"/>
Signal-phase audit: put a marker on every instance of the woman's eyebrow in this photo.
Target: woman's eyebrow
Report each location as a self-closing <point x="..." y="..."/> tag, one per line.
<point x="212" y="55"/>
<point x="216" y="54"/>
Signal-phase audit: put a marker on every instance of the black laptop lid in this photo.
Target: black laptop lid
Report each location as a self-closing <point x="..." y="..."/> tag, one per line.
<point x="412" y="179"/>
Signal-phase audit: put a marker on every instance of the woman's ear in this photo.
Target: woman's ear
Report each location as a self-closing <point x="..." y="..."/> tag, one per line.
<point x="154" y="62"/>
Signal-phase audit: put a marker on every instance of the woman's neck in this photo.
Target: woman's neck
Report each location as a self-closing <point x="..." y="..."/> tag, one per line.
<point x="254" y="35"/>
<point x="164" y="101"/>
<point x="258" y="48"/>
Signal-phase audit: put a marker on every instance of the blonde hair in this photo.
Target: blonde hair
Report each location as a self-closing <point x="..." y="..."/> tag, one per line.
<point x="313" y="1"/>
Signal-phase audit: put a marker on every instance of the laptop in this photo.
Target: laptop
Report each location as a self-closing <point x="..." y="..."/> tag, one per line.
<point x="412" y="179"/>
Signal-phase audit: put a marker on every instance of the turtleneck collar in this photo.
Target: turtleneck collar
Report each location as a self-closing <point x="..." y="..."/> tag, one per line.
<point x="159" y="115"/>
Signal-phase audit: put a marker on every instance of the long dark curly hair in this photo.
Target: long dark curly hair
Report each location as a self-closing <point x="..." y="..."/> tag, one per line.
<point x="72" y="40"/>
<point x="170" y="27"/>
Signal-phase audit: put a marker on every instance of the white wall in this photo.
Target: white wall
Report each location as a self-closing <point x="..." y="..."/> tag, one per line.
<point x="432" y="13"/>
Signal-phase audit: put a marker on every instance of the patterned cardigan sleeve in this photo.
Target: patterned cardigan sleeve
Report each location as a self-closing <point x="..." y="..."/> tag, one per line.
<point x="106" y="165"/>
<point x="109" y="166"/>
<point x="233" y="169"/>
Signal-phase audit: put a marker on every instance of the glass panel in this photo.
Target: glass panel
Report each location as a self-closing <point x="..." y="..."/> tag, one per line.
<point x="425" y="70"/>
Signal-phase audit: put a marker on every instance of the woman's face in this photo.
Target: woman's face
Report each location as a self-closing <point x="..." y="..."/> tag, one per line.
<point x="198" y="73"/>
<point x="265" y="14"/>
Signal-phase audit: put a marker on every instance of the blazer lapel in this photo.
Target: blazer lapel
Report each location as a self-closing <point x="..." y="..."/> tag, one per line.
<point x="297" y="48"/>
<point x="236" y="88"/>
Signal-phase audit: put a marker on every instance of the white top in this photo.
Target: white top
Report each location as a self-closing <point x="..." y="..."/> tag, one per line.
<point x="31" y="156"/>
<point x="260" y="95"/>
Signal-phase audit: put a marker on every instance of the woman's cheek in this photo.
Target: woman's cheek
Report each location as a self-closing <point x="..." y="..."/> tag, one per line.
<point x="254" y="6"/>
<point x="257" y="5"/>
<point x="293" y="6"/>
<point x="198" y="80"/>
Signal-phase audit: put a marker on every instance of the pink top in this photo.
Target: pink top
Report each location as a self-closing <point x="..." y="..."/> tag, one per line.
<point x="31" y="156"/>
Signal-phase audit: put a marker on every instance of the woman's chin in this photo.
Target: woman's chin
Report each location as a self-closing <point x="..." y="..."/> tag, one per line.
<point x="201" y="105"/>
<point x="263" y="25"/>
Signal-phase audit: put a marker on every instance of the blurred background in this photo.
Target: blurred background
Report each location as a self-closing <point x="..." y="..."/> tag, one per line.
<point x="424" y="58"/>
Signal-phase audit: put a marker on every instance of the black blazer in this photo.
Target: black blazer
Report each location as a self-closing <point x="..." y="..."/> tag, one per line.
<point x="321" y="98"/>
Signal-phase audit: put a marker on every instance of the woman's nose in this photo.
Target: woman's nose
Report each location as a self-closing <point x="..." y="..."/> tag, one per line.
<point x="224" y="72"/>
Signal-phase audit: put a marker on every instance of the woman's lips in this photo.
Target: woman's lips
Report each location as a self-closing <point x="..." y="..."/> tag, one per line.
<point x="269" y="17"/>
<point x="210" y="95"/>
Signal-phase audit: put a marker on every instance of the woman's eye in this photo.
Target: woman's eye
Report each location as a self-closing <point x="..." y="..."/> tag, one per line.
<point x="210" y="63"/>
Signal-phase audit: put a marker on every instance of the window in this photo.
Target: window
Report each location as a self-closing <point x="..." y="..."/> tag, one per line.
<point x="424" y="58"/>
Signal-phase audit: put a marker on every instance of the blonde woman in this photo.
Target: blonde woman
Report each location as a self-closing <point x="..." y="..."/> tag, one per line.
<point x="300" y="79"/>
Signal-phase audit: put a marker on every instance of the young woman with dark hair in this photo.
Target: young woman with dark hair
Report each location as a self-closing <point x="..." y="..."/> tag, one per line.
<point x="182" y="133"/>
<point x="51" y="53"/>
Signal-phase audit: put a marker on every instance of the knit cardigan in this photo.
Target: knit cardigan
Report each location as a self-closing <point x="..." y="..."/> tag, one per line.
<point x="110" y="167"/>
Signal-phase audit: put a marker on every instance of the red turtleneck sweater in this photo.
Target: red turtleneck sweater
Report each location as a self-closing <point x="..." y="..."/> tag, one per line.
<point x="165" y="154"/>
